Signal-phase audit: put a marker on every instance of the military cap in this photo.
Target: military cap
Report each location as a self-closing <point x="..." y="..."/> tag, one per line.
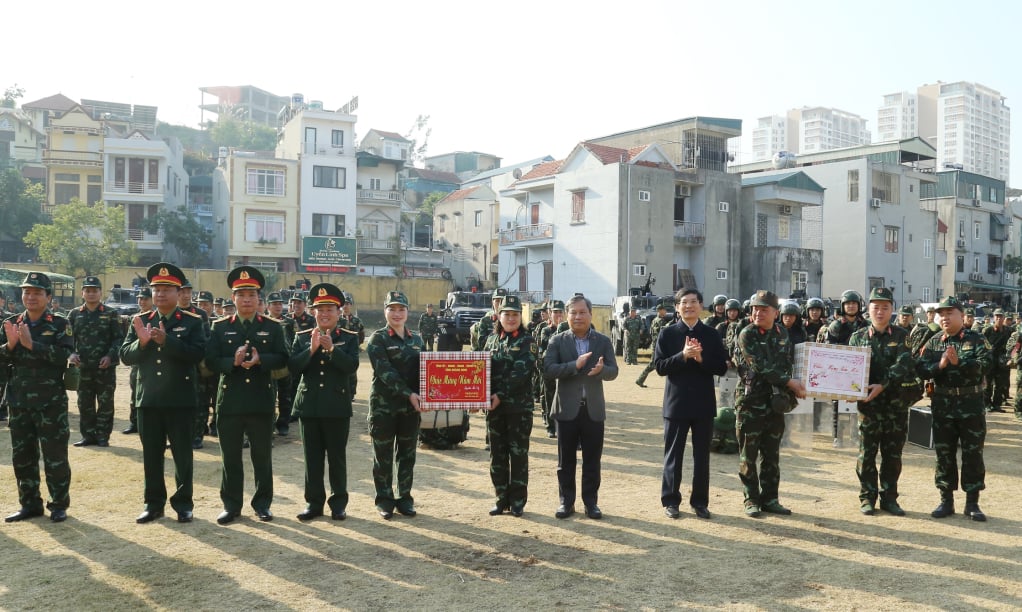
<point x="205" y="296"/>
<point x="950" y="301"/>
<point x="906" y="310"/>
<point x="297" y="296"/>
<point x="557" y="306"/>
<point x="92" y="281"/>
<point x="881" y="294"/>
<point x="324" y="294"/>
<point x="632" y="308"/>
<point x="543" y="306"/>
<point x="274" y="297"/>
<point x="931" y="309"/>
<point x="512" y="303"/>
<point x="662" y="306"/>
<point x="764" y="298"/>
<point x="229" y="304"/>
<point x="218" y="301"/>
<point x="429" y="305"/>
<point x="395" y="297"/>
<point x="36" y="280"/>
<point x="999" y="312"/>
<point x="245" y="277"/>
<point x="969" y="311"/>
<point x="499" y="294"/>
<point x="187" y="284"/>
<point x="145" y="292"/>
<point x="164" y="273"/>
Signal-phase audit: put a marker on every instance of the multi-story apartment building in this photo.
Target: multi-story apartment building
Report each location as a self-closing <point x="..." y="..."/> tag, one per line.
<point x="463" y="226"/>
<point x="465" y="164"/>
<point x="808" y="130"/>
<point x="255" y="209"/>
<point x="74" y="157"/>
<point x="380" y="209"/>
<point x="969" y="125"/>
<point x="322" y="142"/>
<point x="978" y="230"/>
<point x="244" y="102"/>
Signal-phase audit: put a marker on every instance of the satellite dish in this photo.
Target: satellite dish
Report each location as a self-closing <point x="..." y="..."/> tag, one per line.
<point x="517" y="173"/>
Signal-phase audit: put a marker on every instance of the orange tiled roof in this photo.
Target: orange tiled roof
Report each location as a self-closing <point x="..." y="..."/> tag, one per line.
<point x="544" y="169"/>
<point x="460" y="194"/>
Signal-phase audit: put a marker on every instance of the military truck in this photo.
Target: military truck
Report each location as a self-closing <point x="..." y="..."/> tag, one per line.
<point x="122" y="299"/>
<point x="461" y="310"/>
<point x="646" y="304"/>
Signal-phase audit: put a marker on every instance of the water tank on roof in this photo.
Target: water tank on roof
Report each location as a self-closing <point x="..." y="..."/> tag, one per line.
<point x="784" y="159"/>
<point x="222" y="152"/>
<point x="297" y="100"/>
<point x="316" y="104"/>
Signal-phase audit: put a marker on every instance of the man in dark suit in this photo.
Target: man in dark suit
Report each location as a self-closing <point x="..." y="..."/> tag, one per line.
<point x="579" y="360"/>
<point x="689" y="354"/>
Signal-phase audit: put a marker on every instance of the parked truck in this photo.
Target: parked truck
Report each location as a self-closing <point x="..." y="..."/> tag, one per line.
<point x="461" y="310"/>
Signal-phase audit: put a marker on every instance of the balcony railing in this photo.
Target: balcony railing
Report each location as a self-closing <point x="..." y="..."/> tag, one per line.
<point x="313" y="148"/>
<point x="380" y="195"/>
<point x="377" y="244"/>
<point x="140" y="188"/>
<point x="201" y="209"/>
<point x="538" y="231"/>
<point x="690" y="233"/>
<point x="72" y="158"/>
<point x="140" y="235"/>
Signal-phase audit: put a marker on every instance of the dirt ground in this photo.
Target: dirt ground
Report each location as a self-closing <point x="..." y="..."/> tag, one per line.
<point x="455" y="556"/>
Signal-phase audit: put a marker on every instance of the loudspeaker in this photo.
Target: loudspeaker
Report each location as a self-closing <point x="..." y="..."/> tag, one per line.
<point x="920" y="427"/>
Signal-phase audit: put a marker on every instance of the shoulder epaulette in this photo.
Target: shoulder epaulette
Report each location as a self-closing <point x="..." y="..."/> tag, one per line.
<point x="349" y="331"/>
<point x="305" y="331"/>
<point x="142" y="314"/>
<point x="223" y="318"/>
<point x="191" y="314"/>
<point x="269" y="318"/>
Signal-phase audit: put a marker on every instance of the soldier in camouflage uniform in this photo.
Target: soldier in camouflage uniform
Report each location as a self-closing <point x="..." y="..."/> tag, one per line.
<point x="38" y="343"/>
<point x="550" y="386"/>
<point x="764" y="356"/>
<point x="906" y="318"/>
<point x="661" y="321"/>
<point x="394" y="407"/>
<point x="300" y="320"/>
<point x="956" y="360"/>
<point x="999" y="376"/>
<point x="428" y="327"/>
<point x="184" y="302"/>
<point x="883" y="415"/>
<point x="513" y="355"/>
<point x="275" y="311"/>
<point x="98" y="337"/>
<point x="482" y="328"/>
<point x="632" y="330"/>
<point x="1014" y="350"/>
<point x="922" y="332"/>
<point x="145" y="304"/>
<point x="814" y="320"/>
<point x="718" y="316"/>
<point x="351" y="324"/>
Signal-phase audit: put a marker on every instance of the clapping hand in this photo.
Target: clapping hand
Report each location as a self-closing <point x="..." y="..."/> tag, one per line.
<point x="11" y="329"/>
<point x="693" y="350"/>
<point x="142" y="331"/>
<point x="597" y="368"/>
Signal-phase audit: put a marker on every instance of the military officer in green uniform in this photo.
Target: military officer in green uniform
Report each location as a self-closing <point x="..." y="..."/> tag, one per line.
<point x="166" y="345"/>
<point x="513" y="355"/>
<point x="351" y="324"/>
<point x="98" y="338"/>
<point x="201" y="415"/>
<point x="956" y="360"/>
<point x="764" y="357"/>
<point x="482" y="328"/>
<point x="550" y="386"/>
<point x="883" y="415"/>
<point x="632" y="329"/>
<point x="37" y="343"/>
<point x="145" y="304"/>
<point x="207" y="380"/>
<point x="323" y="358"/>
<point x="299" y="320"/>
<point x="999" y="376"/>
<point x="244" y="349"/>
<point x="285" y="384"/>
<point x="428" y="327"/>
<point x="394" y="407"/>
<point x="661" y="321"/>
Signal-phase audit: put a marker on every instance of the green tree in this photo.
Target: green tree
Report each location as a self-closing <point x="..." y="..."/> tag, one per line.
<point x="418" y="134"/>
<point x="83" y="239"/>
<point x="429" y="204"/>
<point x="184" y="233"/>
<point x="20" y="204"/>
<point x="246" y="135"/>
<point x="11" y="96"/>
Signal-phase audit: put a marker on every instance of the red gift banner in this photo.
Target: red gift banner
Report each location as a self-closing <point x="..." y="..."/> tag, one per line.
<point x="450" y="380"/>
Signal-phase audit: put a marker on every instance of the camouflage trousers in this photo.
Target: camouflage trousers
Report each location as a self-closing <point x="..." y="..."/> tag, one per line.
<point x="650" y="367"/>
<point x="509" y="456"/>
<point x="389" y="429"/>
<point x="427" y="340"/>
<point x="631" y="348"/>
<point x="549" y="389"/>
<point x="998" y="381"/>
<point x="41" y="427"/>
<point x="951" y="431"/>
<point x="96" y="402"/>
<point x="204" y="403"/>
<point x="759" y="431"/>
<point x="1017" y="402"/>
<point x="882" y="429"/>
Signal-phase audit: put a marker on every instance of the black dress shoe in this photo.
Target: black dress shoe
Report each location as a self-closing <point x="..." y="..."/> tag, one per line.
<point x="672" y="512"/>
<point x="226" y="517"/>
<point x="149" y="516"/>
<point x="594" y="512"/>
<point x="23" y="514"/>
<point x="58" y="515"/>
<point x="264" y="515"/>
<point x="385" y="513"/>
<point x="498" y="509"/>
<point x="338" y="515"/>
<point x="701" y="511"/>
<point x="406" y="510"/>
<point x="517" y="510"/>
<point x="564" y="512"/>
<point x="85" y="442"/>
<point x="185" y="516"/>
<point x="103" y="443"/>
<point x="283" y="431"/>
<point x="197" y="444"/>
<point x="309" y="514"/>
<point x="130" y="429"/>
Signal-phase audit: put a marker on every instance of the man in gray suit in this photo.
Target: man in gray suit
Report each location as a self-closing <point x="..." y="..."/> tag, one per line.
<point x="579" y="360"/>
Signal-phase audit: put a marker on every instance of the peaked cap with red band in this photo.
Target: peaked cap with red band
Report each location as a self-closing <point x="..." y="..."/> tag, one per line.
<point x="325" y="293"/>
<point x="164" y="273"/>
<point x="245" y="277"/>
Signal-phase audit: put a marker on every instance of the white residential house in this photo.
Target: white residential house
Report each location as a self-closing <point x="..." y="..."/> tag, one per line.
<point x="463" y="226"/>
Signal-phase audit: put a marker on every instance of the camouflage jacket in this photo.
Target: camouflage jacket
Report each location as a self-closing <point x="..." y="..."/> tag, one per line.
<point x="658" y="324"/>
<point x="973" y="361"/>
<point x="428" y="325"/>
<point x="302" y="322"/>
<point x="632" y="326"/>
<point x="713" y="320"/>
<point x="734" y="328"/>
<point x="812" y="329"/>
<point x="890" y="363"/>
<point x="97" y="334"/>
<point x="998" y="339"/>
<point x="323" y="378"/>
<point x="38" y="374"/>
<point x="920" y="334"/>
<point x="840" y="330"/>
<point x="764" y="359"/>
<point x="482" y="329"/>
<point x="353" y="325"/>
<point x="395" y="362"/>
<point x="513" y="360"/>
<point x="1014" y="346"/>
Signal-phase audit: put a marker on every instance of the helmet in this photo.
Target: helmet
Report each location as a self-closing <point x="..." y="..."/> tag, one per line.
<point x="815" y="303"/>
<point x="790" y="308"/>
<point x="851" y="296"/>
<point x="719" y="300"/>
<point x="732" y="304"/>
<point x="747" y="306"/>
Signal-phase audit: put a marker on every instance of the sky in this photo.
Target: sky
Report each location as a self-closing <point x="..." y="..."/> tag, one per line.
<point x="522" y="79"/>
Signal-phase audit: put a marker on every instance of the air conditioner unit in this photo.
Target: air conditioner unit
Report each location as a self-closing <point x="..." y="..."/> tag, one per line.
<point x="875" y="202"/>
<point x="683" y="191"/>
<point x="975" y="202"/>
<point x="961" y="243"/>
<point x="784" y="209"/>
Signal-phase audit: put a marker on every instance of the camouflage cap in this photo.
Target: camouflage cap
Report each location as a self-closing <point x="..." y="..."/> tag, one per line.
<point x="906" y="310"/>
<point x="948" y="302"/>
<point x="557" y="306"/>
<point x="764" y="298"/>
<point x="499" y="293"/>
<point x="395" y="297"/>
<point x="881" y="294"/>
<point x="36" y="280"/>
<point x="92" y="281"/>
<point x="512" y="303"/>
<point x="999" y="312"/>
<point x="971" y="311"/>
<point x="930" y="309"/>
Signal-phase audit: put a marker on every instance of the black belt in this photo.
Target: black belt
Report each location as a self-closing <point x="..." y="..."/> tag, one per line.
<point x="958" y="391"/>
<point x="582" y="403"/>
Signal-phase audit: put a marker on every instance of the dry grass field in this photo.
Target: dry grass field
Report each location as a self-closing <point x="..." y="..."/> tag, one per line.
<point x="455" y="556"/>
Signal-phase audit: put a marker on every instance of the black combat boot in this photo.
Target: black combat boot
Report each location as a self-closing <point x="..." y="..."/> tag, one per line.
<point x="972" y="507"/>
<point x="946" y="507"/>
